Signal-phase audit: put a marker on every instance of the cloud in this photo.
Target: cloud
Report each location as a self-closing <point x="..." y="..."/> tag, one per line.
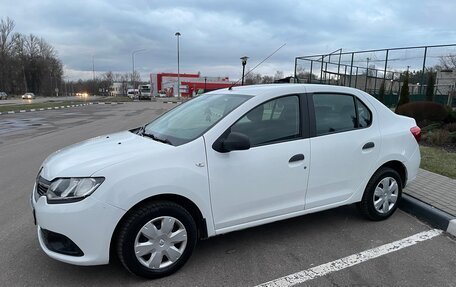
<point x="215" y="35"/>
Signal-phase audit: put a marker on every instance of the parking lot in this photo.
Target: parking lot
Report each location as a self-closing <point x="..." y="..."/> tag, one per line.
<point x="244" y="258"/>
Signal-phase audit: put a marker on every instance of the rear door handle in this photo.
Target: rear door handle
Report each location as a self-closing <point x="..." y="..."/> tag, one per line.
<point x="368" y="145"/>
<point x="296" y="157"/>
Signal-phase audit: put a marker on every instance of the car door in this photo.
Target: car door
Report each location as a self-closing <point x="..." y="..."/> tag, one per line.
<point x="345" y="140"/>
<point x="270" y="178"/>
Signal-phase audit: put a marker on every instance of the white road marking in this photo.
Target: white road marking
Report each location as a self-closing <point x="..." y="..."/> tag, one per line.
<point x="324" y="269"/>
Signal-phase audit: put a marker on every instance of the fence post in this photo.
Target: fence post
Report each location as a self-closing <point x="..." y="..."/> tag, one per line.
<point x="422" y="72"/>
<point x="351" y="70"/>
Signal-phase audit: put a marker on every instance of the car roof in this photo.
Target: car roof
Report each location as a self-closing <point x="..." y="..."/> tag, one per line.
<point x="267" y="89"/>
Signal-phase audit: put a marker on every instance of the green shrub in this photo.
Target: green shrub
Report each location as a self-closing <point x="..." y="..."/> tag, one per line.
<point x="424" y="113"/>
<point x="431" y="127"/>
<point x="439" y="137"/>
<point x="404" y="97"/>
<point x="451" y="118"/>
<point x="451" y="127"/>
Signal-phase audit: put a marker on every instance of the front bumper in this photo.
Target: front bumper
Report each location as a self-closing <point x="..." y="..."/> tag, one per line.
<point x="89" y="224"/>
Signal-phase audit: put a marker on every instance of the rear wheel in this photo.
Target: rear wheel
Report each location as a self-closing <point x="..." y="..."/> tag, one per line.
<point x="382" y="195"/>
<point x="156" y="240"/>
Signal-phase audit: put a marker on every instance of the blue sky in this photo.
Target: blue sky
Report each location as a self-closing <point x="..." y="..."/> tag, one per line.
<point x="215" y="34"/>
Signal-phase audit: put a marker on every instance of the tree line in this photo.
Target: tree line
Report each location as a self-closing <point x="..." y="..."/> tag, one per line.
<point x="27" y="63"/>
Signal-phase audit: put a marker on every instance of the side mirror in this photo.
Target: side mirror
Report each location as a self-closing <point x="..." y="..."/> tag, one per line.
<point x="234" y="141"/>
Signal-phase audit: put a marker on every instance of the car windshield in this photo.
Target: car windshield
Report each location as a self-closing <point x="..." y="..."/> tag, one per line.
<point x="191" y="119"/>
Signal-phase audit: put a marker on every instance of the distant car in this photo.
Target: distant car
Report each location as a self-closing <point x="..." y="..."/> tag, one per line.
<point x="224" y="161"/>
<point x="3" y="96"/>
<point x="28" y="96"/>
<point x="132" y="93"/>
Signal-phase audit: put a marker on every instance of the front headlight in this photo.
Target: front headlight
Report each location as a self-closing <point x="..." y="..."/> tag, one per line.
<point x="72" y="189"/>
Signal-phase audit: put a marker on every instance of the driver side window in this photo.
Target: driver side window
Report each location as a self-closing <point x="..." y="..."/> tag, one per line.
<point x="274" y="121"/>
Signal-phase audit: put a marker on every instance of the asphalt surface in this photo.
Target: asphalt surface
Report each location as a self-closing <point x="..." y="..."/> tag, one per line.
<point x="244" y="258"/>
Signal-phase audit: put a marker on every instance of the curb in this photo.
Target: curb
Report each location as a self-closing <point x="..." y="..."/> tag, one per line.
<point x="428" y="213"/>
<point x="58" y="107"/>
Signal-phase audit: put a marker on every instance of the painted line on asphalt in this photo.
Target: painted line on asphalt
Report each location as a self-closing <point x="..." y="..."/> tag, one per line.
<point x="59" y="107"/>
<point x="452" y="227"/>
<point x="349" y="261"/>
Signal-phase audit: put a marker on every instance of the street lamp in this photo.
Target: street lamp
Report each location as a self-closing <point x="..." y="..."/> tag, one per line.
<point x="133" y="53"/>
<point x="178" y="69"/>
<point x="244" y="62"/>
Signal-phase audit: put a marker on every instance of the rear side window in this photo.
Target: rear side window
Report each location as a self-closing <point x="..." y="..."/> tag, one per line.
<point x="364" y="115"/>
<point x="337" y="113"/>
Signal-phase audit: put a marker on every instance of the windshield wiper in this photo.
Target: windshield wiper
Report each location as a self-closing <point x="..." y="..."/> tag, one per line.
<point x="155" y="138"/>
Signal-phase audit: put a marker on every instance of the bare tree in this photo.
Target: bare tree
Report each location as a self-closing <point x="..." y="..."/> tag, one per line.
<point x="448" y="62"/>
<point x="28" y="63"/>
<point x="278" y="75"/>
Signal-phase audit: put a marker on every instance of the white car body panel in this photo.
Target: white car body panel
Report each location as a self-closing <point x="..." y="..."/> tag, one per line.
<point x="234" y="190"/>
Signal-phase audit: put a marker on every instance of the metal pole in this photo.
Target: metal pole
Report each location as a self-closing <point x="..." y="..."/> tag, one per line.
<point x="178" y="66"/>
<point x="296" y="65"/>
<point x="321" y="70"/>
<point x="386" y="63"/>
<point x="351" y="70"/>
<point x="375" y="81"/>
<point x="133" y="53"/>
<point x="326" y="70"/>
<point x="338" y="66"/>
<point x="243" y="71"/>
<point x="356" y="77"/>
<point x="422" y="72"/>
<point x="367" y="74"/>
<point x="133" y="72"/>
<point x="311" y="69"/>
<point x="345" y="75"/>
<point x="243" y="62"/>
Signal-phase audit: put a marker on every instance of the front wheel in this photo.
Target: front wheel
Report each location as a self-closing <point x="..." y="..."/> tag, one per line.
<point x="156" y="240"/>
<point x="382" y="194"/>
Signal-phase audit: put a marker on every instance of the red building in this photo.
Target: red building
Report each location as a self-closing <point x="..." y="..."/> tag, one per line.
<point x="190" y="84"/>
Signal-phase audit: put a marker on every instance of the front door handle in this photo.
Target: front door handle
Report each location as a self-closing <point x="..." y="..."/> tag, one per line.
<point x="296" y="157"/>
<point x="368" y="145"/>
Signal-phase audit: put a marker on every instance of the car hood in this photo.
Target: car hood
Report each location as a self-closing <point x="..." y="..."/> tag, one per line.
<point x="85" y="158"/>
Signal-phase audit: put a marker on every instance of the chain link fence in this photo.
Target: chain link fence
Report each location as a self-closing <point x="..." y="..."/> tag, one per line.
<point x="381" y="72"/>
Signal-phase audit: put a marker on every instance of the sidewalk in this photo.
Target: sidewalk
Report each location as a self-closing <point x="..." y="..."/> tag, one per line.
<point x="432" y="197"/>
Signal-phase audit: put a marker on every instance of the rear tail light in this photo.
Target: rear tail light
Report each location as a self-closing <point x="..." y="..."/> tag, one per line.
<point x="416" y="132"/>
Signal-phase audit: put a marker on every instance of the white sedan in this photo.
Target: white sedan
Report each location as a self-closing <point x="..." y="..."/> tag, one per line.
<point x="227" y="160"/>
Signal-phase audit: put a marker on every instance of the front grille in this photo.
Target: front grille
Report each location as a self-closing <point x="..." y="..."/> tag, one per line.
<point x="42" y="186"/>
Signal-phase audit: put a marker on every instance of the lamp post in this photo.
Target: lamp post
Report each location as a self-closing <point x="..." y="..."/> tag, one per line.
<point x="133" y="53"/>
<point x="178" y="67"/>
<point x="244" y="62"/>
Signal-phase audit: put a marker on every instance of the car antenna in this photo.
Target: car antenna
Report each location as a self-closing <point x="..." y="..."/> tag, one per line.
<point x="231" y="87"/>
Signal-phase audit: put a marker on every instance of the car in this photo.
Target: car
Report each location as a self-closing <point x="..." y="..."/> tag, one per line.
<point x="3" y="96"/>
<point x="224" y="161"/>
<point x="28" y="96"/>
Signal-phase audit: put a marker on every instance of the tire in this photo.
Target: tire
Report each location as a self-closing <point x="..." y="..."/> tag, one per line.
<point x="163" y="233"/>
<point x="382" y="195"/>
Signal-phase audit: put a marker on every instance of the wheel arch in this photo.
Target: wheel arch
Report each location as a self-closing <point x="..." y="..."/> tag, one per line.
<point x="399" y="167"/>
<point x="186" y="203"/>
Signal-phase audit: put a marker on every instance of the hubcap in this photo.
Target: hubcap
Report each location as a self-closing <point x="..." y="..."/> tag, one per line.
<point x="385" y="195"/>
<point x="160" y="242"/>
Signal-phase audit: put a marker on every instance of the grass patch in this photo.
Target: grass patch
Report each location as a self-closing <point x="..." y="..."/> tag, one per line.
<point x="52" y="104"/>
<point x="438" y="160"/>
<point x="114" y="99"/>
